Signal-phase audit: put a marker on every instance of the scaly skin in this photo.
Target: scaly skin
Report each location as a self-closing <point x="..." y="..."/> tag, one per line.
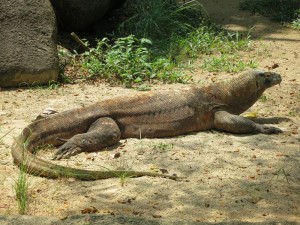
<point x="151" y="115"/>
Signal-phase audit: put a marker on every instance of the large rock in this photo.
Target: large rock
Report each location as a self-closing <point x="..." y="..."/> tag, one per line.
<point x="28" y="42"/>
<point x="73" y="15"/>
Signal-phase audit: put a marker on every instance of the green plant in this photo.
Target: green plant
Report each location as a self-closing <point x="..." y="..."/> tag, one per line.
<point x="123" y="178"/>
<point x="296" y="24"/>
<point x="292" y="113"/>
<point x="21" y="190"/>
<point x="63" y="78"/>
<point x="211" y="40"/>
<point x="168" y="72"/>
<point x="163" y="35"/>
<point x="167" y="23"/>
<point x="228" y="63"/>
<point x="160" y="19"/>
<point x="164" y="146"/>
<point x="21" y="185"/>
<point x="263" y="98"/>
<point x="143" y="87"/>
<point x="53" y="85"/>
<point x="208" y="39"/>
<point x="128" y="60"/>
<point x="178" y="30"/>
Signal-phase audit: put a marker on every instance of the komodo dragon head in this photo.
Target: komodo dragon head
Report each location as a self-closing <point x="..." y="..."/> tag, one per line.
<point x="264" y="80"/>
<point x="241" y="92"/>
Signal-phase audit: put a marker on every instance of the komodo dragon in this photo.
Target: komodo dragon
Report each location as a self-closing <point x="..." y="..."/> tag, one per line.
<point x="154" y="114"/>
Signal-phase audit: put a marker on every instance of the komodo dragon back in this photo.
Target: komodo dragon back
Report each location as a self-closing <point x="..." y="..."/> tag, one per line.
<point x="151" y="114"/>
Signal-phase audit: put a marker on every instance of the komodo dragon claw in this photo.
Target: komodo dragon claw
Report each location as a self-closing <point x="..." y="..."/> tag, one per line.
<point x="66" y="151"/>
<point x="270" y="130"/>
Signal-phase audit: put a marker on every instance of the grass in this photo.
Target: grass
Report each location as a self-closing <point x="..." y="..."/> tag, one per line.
<point x="127" y="60"/>
<point x="296" y="24"/>
<point x="160" y="19"/>
<point x="163" y="146"/>
<point x="120" y="164"/>
<point x="263" y="98"/>
<point x="52" y="85"/>
<point x="123" y="178"/>
<point x="20" y="187"/>
<point x="21" y="190"/>
<point x="158" y="40"/>
<point x="228" y="63"/>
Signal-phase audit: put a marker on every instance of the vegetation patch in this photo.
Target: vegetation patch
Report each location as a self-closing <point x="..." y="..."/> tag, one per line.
<point x="21" y="190"/>
<point x="157" y="40"/>
<point x="228" y="63"/>
<point x="160" y="19"/>
<point x="129" y="60"/>
<point x="296" y="23"/>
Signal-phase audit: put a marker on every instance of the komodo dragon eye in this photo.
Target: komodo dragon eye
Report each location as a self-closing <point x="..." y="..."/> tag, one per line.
<point x="267" y="76"/>
<point x="264" y="77"/>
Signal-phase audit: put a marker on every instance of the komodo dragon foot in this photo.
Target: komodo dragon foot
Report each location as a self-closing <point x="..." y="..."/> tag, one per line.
<point x="104" y="132"/>
<point x="225" y="121"/>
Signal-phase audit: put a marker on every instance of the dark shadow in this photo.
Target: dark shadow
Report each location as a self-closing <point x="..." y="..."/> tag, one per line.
<point x="228" y="14"/>
<point x="100" y="29"/>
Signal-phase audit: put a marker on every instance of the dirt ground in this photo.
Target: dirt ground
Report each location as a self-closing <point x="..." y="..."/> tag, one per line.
<point x="229" y="177"/>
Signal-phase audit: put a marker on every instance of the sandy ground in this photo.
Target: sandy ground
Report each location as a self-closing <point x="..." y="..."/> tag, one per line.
<point x="229" y="177"/>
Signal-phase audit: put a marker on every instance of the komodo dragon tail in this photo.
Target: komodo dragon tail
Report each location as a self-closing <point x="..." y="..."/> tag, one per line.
<point x="25" y="159"/>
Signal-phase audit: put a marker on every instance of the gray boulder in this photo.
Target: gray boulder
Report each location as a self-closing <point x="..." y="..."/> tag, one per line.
<point x="28" y="43"/>
<point x="73" y="15"/>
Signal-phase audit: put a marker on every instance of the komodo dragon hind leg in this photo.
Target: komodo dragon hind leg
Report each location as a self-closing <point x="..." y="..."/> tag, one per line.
<point x="102" y="133"/>
<point x="225" y="121"/>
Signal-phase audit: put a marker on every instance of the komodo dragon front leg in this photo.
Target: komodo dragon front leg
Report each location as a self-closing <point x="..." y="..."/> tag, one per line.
<point x="103" y="132"/>
<point x="226" y="121"/>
